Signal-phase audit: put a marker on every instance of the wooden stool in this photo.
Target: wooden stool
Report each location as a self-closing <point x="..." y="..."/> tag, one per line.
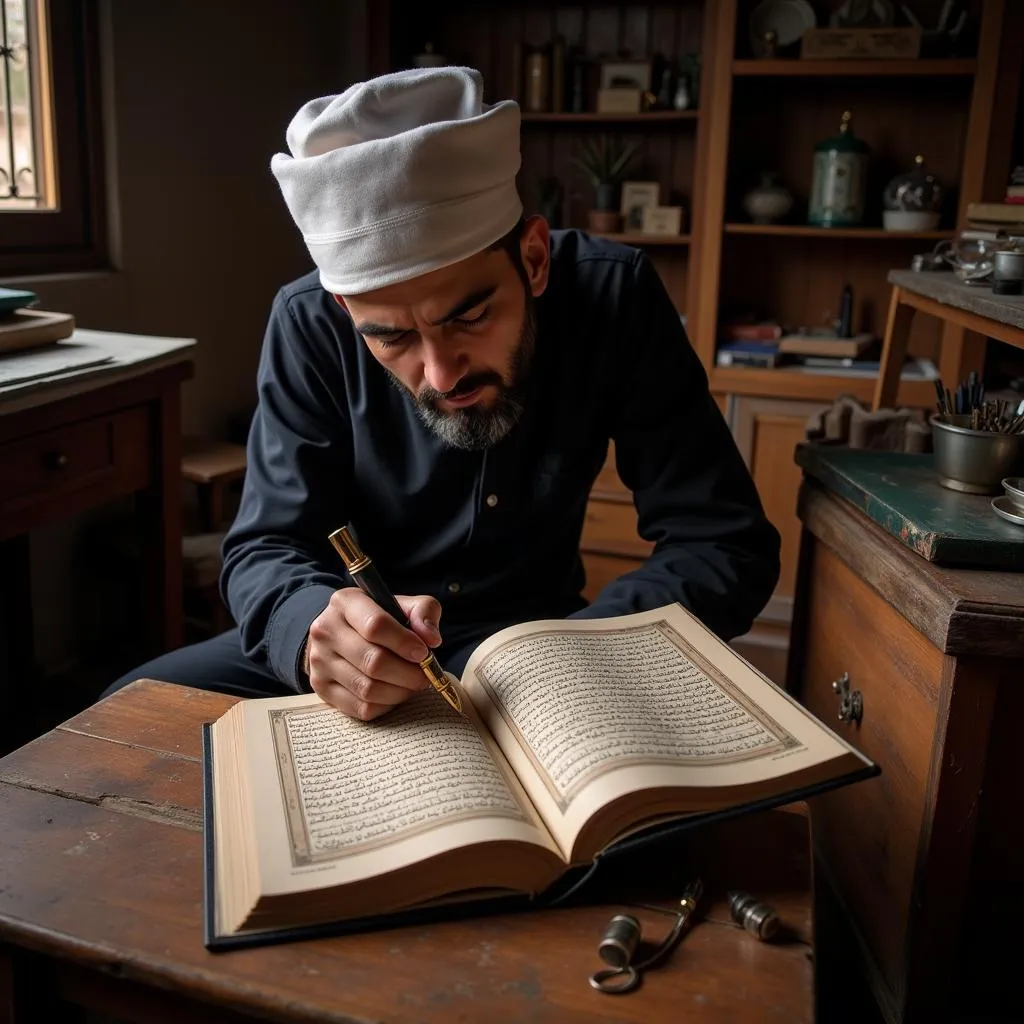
<point x="212" y="467"/>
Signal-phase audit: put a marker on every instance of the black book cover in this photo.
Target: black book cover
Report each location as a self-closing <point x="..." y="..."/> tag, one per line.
<point x="595" y="882"/>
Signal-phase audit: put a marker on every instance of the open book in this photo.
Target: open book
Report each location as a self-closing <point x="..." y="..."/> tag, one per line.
<point x="576" y="734"/>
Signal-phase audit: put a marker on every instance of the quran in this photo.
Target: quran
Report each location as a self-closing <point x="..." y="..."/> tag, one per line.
<point x="576" y="735"/>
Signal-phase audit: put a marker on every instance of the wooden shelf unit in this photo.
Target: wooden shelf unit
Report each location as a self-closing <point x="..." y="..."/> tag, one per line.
<point x="810" y="231"/>
<point x="799" y="385"/>
<point x="768" y="115"/>
<point x="641" y="240"/>
<point x="919" y="67"/>
<point x="653" y="117"/>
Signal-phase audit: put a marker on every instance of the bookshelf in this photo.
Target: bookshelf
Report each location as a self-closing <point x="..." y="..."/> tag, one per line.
<point x="752" y="115"/>
<point x="808" y="231"/>
<point x="768" y="115"/>
<point x="642" y="241"/>
<point x="918" y="67"/>
<point x="651" y="118"/>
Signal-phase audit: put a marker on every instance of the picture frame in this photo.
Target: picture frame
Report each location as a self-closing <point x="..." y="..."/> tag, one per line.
<point x="661" y="220"/>
<point x="635" y="196"/>
<point x="626" y="74"/>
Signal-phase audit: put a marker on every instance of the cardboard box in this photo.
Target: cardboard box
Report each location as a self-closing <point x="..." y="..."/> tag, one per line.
<point x="861" y="43"/>
<point x="619" y="101"/>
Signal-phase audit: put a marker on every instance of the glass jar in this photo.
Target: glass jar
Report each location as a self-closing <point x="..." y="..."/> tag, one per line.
<point x="840" y="170"/>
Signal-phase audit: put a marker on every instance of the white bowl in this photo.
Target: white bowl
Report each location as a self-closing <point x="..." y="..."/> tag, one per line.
<point x="909" y="220"/>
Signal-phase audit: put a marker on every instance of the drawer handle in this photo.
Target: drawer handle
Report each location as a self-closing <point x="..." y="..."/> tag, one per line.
<point x="56" y="460"/>
<point x="851" y="702"/>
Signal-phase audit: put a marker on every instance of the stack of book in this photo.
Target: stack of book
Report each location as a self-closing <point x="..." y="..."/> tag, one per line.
<point x="767" y="345"/>
<point x="22" y="327"/>
<point x="1002" y="219"/>
<point x="1015" y="190"/>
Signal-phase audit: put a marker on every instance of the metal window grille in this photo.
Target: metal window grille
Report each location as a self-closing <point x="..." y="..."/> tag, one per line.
<point x="22" y="174"/>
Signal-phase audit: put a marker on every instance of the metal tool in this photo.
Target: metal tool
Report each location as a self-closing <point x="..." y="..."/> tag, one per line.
<point x="622" y="937"/>
<point x="760" y="919"/>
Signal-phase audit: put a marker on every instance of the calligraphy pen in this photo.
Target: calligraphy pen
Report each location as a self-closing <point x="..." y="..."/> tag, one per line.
<point x="370" y="582"/>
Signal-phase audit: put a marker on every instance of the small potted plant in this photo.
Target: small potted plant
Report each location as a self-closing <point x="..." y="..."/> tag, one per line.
<point x="605" y="161"/>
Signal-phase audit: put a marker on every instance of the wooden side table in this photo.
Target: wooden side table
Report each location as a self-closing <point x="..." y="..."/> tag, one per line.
<point x="71" y="444"/>
<point x="940" y="294"/>
<point x="100" y="907"/>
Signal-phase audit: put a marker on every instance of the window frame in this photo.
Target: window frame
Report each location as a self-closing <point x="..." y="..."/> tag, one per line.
<point x="72" y="236"/>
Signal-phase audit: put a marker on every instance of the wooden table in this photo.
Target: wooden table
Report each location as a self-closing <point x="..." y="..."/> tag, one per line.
<point x="100" y="906"/>
<point x="71" y="443"/>
<point x="972" y="308"/>
<point x="926" y="858"/>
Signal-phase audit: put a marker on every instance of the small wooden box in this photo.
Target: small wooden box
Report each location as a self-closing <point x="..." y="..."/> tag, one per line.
<point x="619" y="101"/>
<point x="861" y="43"/>
<point x="662" y="220"/>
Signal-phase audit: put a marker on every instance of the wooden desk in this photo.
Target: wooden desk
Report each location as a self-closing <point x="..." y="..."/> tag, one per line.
<point x="941" y="295"/>
<point x="926" y="858"/>
<point x="72" y="443"/>
<point x="100" y="906"/>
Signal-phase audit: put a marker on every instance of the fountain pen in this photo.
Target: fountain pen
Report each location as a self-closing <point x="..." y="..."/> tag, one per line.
<point x="369" y="581"/>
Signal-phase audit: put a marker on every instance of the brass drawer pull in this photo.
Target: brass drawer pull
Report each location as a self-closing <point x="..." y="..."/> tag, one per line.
<point x="851" y="702"/>
<point x="56" y="460"/>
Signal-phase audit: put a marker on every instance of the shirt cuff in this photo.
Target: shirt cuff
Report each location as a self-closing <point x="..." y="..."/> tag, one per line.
<point x="288" y="629"/>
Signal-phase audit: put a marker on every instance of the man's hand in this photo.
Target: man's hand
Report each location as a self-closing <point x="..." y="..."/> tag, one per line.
<point x="361" y="660"/>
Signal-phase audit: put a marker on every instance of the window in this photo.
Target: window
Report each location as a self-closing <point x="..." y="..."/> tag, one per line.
<point x="51" y="199"/>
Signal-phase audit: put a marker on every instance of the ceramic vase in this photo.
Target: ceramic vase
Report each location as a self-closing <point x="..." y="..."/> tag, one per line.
<point x="768" y="203"/>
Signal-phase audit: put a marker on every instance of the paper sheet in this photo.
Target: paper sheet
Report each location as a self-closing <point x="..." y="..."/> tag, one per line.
<point x="18" y="367"/>
<point x="83" y="354"/>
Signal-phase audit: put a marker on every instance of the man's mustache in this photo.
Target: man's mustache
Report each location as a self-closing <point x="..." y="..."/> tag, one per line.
<point x="469" y="383"/>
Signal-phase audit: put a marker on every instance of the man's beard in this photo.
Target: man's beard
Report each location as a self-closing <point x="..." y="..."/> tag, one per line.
<point x="476" y="427"/>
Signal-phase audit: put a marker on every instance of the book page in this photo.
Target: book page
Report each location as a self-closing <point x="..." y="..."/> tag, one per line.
<point x="587" y="710"/>
<point x="347" y="799"/>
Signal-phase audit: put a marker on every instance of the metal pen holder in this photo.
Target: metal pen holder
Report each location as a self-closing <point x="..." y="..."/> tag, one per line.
<point x="973" y="461"/>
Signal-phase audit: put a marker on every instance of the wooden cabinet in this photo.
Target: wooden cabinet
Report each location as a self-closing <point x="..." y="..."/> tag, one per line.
<point x="924" y="859"/>
<point x="876" y="871"/>
<point x="610" y="545"/>
<point x="97" y="458"/>
<point x="767" y="431"/>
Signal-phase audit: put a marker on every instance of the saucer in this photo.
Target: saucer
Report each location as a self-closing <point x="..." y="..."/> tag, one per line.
<point x="1009" y="510"/>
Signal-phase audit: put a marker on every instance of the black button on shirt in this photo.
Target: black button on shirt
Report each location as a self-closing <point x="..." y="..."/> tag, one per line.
<point x="333" y="441"/>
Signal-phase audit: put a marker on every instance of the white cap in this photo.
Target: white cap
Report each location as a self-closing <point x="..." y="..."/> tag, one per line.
<point x="400" y="175"/>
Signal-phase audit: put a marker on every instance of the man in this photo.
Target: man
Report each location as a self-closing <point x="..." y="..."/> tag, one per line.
<point x="448" y="380"/>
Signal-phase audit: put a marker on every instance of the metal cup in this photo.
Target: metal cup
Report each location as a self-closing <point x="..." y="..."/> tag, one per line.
<point x="973" y="461"/>
<point x="1008" y="272"/>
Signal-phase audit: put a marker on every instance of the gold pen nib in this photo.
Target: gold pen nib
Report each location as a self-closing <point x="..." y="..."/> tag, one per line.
<point x="441" y="682"/>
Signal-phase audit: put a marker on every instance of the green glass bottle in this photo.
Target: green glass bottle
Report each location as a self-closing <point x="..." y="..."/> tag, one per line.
<point x="840" y="171"/>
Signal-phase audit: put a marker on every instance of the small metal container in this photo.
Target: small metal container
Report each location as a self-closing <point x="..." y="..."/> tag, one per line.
<point x="1014" y="487"/>
<point x="974" y="461"/>
<point x="1008" y="264"/>
<point x="1008" y="272"/>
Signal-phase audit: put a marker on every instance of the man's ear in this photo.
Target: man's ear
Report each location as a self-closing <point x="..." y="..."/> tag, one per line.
<point x="535" y="247"/>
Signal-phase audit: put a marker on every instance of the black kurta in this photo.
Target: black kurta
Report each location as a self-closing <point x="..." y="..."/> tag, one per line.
<point x="495" y="535"/>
